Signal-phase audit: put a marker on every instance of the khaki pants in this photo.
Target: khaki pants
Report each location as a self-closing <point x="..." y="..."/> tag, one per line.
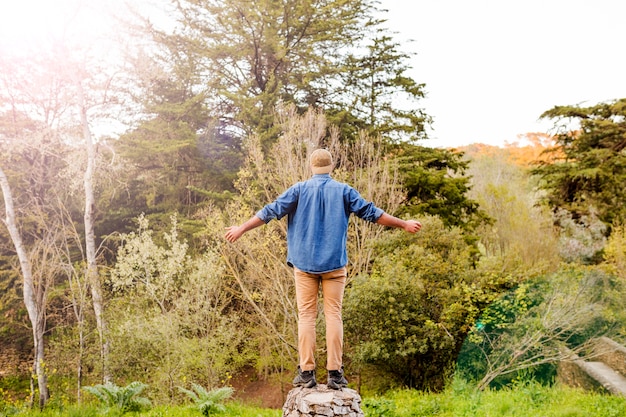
<point x="307" y="289"/>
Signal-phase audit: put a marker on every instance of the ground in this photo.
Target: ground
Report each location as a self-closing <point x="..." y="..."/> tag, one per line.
<point x="254" y="390"/>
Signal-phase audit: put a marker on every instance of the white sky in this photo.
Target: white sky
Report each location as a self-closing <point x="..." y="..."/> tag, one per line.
<point x="491" y="67"/>
<point x="24" y="23"/>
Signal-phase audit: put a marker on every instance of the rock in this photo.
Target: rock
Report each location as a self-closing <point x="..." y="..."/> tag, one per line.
<point x="323" y="402"/>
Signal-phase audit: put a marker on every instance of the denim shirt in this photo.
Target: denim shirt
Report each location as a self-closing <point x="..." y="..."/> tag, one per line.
<point x="317" y="221"/>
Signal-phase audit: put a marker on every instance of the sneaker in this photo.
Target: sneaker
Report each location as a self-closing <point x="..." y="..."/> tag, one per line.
<point x="336" y="380"/>
<point x="305" y="379"/>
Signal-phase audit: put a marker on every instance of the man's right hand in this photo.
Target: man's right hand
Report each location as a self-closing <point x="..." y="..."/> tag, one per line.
<point x="233" y="233"/>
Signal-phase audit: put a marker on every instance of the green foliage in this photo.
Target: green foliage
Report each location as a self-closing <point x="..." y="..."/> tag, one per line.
<point x="615" y="251"/>
<point x="13" y="337"/>
<point x="126" y="399"/>
<point x="526" y="330"/>
<point x="458" y="400"/>
<point x="373" y="83"/>
<point x="496" y="319"/>
<point x="592" y="172"/>
<point x="154" y="271"/>
<point x="172" y="314"/>
<point x="166" y="163"/>
<point x="208" y="402"/>
<point x="175" y="150"/>
<point x="436" y="184"/>
<point x="237" y="60"/>
<point x="521" y="235"/>
<point x="412" y="313"/>
<point x="13" y="390"/>
<point x="378" y="407"/>
<point x="243" y="58"/>
<point x="615" y="266"/>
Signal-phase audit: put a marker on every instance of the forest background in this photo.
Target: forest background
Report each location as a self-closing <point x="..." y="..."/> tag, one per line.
<point x="119" y="176"/>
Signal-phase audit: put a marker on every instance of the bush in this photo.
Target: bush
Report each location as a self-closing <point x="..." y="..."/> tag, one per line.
<point x="410" y="316"/>
<point x="173" y="318"/>
<point x="525" y="331"/>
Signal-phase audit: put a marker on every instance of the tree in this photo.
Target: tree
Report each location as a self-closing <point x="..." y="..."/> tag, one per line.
<point x="436" y="184"/>
<point x="521" y="232"/>
<point x="218" y="77"/>
<point x="51" y="99"/>
<point x="34" y="299"/>
<point x="234" y="61"/>
<point x="92" y="275"/>
<point x="376" y="95"/>
<point x="175" y="150"/>
<point x="592" y="170"/>
<point x="255" y="54"/>
<point x="72" y="333"/>
<point x="226" y="66"/>
<point x="176" y="318"/>
<point x="27" y="145"/>
<point x="256" y="265"/>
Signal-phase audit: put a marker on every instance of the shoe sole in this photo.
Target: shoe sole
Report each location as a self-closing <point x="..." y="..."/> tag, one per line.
<point x="333" y="385"/>
<point x="309" y="384"/>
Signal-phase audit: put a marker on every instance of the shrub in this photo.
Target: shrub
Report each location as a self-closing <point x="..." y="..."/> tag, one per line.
<point x="412" y="313"/>
<point x="525" y="332"/>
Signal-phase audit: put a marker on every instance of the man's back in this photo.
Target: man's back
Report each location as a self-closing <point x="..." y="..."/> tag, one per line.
<point x="317" y="212"/>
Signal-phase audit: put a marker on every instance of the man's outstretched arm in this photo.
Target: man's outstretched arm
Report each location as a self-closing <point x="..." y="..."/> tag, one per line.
<point x="411" y="226"/>
<point x="234" y="232"/>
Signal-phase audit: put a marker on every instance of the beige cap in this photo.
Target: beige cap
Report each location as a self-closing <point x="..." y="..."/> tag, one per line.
<point x="321" y="161"/>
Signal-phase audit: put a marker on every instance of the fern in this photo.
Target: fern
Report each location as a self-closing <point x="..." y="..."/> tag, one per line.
<point x="125" y="399"/>
<point x="208" y="402"/>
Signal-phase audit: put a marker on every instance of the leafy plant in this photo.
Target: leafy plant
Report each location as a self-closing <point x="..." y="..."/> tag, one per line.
<point x="525" y="332"/>
<point x="125" y="399"/>
<point x="410" y="315"/>
<point x="208" y="402"/>
<point x="378" y="406"/>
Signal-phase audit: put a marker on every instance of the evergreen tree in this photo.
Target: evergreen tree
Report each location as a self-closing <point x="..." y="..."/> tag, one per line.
<point x="377" y="95"/>
<point x="590" y="175"/>
<point x="436" y="184"/>
<point x="221" y="73"/>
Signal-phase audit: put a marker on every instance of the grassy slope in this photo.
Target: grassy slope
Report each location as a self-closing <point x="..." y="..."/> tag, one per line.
<point x="527" y="400"/>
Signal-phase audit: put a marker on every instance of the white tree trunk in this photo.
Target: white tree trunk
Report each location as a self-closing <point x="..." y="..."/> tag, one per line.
<point x="93" y="277"/>
<point x="35" y="313"/>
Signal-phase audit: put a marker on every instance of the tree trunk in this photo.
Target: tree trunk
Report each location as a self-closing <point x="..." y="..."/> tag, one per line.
<point x="93" y="278"/>
<point x="35" y="313"/>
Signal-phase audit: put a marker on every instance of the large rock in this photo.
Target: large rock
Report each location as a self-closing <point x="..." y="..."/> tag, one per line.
<point x="322" y="401"/>
<point x="612" y="353"/>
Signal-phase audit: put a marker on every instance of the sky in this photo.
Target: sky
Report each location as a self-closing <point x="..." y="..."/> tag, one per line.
<point x="491" y="68"/>
<point x="26" y="22"/>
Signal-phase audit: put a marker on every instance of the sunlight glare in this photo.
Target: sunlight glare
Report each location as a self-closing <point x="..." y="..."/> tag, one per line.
<point x="30" y="24"/>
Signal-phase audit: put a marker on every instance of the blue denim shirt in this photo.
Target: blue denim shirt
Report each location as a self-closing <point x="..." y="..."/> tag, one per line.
<point x="317" y="221"/>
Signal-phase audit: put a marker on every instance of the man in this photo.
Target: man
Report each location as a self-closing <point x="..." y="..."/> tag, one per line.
<point x="317" y="228"/>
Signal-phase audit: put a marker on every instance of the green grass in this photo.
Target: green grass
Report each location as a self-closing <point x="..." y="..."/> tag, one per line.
<point x="232" y="409"/>
<point x="459" y="400"/>
<point x="529" y="399"/>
